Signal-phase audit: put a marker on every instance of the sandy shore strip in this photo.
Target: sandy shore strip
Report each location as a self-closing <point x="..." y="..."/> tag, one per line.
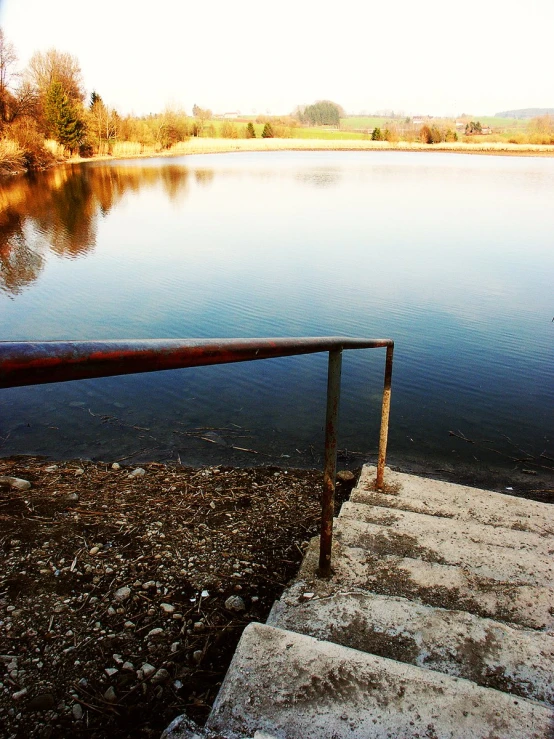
<point x="221" y="146"/>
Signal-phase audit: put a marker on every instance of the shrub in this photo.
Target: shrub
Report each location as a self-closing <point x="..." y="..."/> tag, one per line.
<point x="250" y="133"/>
<point x="376" y="135"/>
<point x="12" y="157"/>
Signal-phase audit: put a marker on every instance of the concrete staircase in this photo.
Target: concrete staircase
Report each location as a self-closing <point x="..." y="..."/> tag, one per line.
<point x="437" y="622"/>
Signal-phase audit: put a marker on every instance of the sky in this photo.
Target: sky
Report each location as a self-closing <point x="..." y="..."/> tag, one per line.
<point x="435" y="57"/>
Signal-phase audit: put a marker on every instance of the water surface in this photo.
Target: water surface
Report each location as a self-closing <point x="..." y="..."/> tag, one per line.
<point x="451" y="256"/>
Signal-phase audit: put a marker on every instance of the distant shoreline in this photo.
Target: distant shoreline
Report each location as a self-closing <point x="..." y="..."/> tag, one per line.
<point x="225" y="146"/>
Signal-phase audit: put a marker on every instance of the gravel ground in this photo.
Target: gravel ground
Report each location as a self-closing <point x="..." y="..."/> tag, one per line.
<point x="124" y="591"/>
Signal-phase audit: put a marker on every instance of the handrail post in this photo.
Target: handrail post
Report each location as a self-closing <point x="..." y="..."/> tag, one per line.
<point x="385" y="410"/>
<point x="330" y="471"/>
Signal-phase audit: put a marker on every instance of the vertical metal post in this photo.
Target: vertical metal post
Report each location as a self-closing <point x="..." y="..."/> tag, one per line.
<point x="385" y="410"/>
<point x="330" y="471"/>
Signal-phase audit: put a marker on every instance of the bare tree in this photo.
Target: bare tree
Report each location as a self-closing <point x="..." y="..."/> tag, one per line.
<point x="56" y="66"/>
<point x="8" y="59"/>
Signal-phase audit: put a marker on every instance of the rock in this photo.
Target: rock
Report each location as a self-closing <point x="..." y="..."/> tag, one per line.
<point x="235" y="603"/>
<point x="79" y="471"/>
<point x="110" y="695"/>
<point x="148" y="585"/>
<point x="111" y="671"/>
<point x="155" y="632"/>
<point x="19" y="694"/>
<point x="129" y="625"/>
<point x="15" y="482"/>
<point x="148" y="669"/>
<point x="346" y="476"/>
<point x="116" y="466"/>
<point x="41" y="702"/>
<point x="167" y="607"/>
<point x="94" y="551"/>
<point x="160" y="676"/>
<point x="138" y="472"/>
<point x="51" y="468"/>
<point x="197" y="656"/>
<point x="198" y="626"/>
<point x="72" y="497"/>
<point x="122" y="594"/>
<point x="77" y="712"/>
<point x="128" y="667"/>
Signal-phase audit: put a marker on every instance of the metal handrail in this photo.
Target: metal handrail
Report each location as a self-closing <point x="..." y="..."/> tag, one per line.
<point x="35" y="363"/>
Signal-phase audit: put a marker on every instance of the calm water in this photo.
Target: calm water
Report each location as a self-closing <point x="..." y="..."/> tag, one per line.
<point x="452" y="256"/>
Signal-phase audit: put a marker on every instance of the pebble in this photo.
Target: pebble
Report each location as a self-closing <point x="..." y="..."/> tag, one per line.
<point x="51" y="468"/>
<point x="19" y="694"/>
<point x="167" y="607"/>
<point x="94" y="551"/>
<point x="77" y="712"/>
<point x="198" y="626"/>
<point x="72" y="497"/>
<point x="160" y="676"/>
<point x="122" y="594"/>
<point x="129" y="625"/>
<point x="116" y="466"/>
<point x="128" y="666"/>
<point x="16" y="482"/>
<point x="147" y="669"/>
<point x="111" y="671"/>
<point x="138" y="472"/>
<point x="79" y="471"/>
<point x="235" y="603"/>
<point x="197" y="656"/>
<point x="345" y="476"/>
<point x="155" y="632"/>
<point x="110" y="695"/>
<point x="148" y="585"/>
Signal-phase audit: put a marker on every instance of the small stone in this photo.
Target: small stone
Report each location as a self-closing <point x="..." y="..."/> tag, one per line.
<point x="110" y="695"/>
<point x="116" y="466"/>
<point x="122" y="594"/>
<point x="111" y="611"/>
<point x="51" y="468"/>
<point x="148" y="585"/>
<point x="42" y="702"/>
<point x="235" y="603"/>
<point x="94" y="551"/>
<point x="345" y="476"/>
<point x="72" y="497"/>
<point x="308" y="596"/>
<point x="138" y="472"/>
<point x="129" y="625"/>
<point x="111" y="671"/>
<point x="198" y="626"/>
<point x="117" y="659"/>
<point x="128" y="666"/>
<point x="167" y="607"/>
<point x="79" y="471"/>
<point x="19" y="694"/>
<point x="160" y="676"/>
<point x="197" y="656"/>
<point x="77" y="712"/>
<point x="175" y="646"/>
<point x="15" y="482"/>
<point x="148" y="669"/>
<point x="155" y="632"/>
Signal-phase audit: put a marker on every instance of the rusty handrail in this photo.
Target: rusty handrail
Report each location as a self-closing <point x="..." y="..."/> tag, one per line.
<point x="35" y="363"/>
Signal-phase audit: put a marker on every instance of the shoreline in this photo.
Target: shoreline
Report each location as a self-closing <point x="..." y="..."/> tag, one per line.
<point x="226" y="146"/>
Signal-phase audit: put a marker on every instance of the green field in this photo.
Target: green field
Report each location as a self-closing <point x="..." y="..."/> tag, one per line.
<point x="367" y="123"/>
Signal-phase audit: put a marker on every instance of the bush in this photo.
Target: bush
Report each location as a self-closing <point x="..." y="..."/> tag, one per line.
<point x="229" y="130"/>
<point x="250" y="133"/>
<point x="376" y="135"/>
<point x="12" y="157"/>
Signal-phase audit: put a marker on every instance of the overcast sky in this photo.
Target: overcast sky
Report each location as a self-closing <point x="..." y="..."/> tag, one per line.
<point x="416" y="56"/>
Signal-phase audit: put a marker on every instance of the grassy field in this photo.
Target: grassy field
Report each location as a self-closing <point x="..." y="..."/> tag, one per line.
<point x="368" y="123"/>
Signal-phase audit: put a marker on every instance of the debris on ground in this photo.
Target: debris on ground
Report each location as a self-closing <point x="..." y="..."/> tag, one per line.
<point x="123" y="592"/>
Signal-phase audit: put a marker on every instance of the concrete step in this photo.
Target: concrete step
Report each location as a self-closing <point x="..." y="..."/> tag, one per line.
<point x="452" y="587"/>
<point x="492" y="654"/>
<point x="293" y="686"/>
<point x="437" y="498"/>
<point x="417" y="540"/>
<point x="456" y="532"/>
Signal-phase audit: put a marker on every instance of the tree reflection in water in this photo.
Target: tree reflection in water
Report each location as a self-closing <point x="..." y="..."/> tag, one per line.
<point x="58" y="211"/>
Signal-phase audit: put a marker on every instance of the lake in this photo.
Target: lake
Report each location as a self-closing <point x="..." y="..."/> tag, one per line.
<point x="451" y="256"/>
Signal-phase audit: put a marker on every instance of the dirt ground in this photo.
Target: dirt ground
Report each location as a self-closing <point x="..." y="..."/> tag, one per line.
<point x="123" y="593"/>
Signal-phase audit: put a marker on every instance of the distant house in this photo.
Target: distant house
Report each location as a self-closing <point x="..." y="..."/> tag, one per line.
<point x="233" y="114"/>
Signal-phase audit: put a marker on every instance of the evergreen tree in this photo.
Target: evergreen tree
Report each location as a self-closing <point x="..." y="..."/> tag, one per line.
<point x="62" y="118"/>
<point x="267" y="133"/>
<point x="250" y="132"/>
<point x="376" y="135"/>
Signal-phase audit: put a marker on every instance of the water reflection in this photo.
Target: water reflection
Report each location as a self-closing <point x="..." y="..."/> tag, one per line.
<point x="59" y="210"/>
